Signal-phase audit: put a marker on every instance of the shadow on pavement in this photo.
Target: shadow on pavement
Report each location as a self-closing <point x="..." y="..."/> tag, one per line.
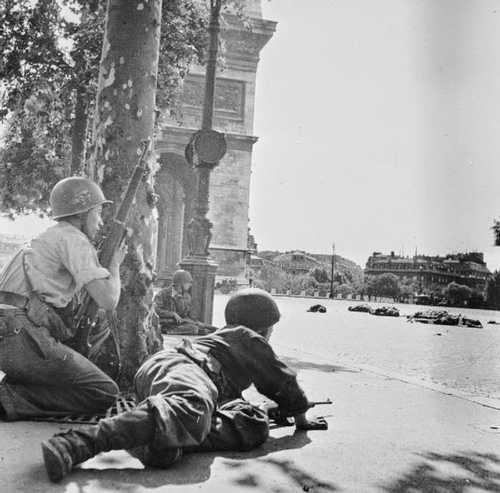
<point x="298" y="364"/>
<point x="453" y="473"/>
<point x="189" y="470"/>
<point x="285" y="474"/>
<point x="193" y="468"/>
<point x="296" y="440"/>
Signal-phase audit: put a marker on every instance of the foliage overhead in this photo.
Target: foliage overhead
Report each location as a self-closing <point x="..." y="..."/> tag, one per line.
<point x="50" y="50"/>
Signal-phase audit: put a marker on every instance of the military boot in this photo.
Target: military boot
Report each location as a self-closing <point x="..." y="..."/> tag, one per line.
<point x="125" y="431"/>
<point x="67" y="449"/>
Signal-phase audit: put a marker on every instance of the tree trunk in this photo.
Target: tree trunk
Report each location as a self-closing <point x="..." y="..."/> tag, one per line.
<point x="124" y="118"/>
<point x="79" y="132"/>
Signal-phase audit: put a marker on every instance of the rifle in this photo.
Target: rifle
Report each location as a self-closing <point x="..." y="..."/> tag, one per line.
<point x="86" y="316"/>
<point x="279" y="419"/>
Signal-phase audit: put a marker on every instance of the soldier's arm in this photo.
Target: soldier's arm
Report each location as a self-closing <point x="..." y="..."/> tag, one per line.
<point x="165" y="307"/>
<point x="278" y="382"/>
<point x="106" y="292"/>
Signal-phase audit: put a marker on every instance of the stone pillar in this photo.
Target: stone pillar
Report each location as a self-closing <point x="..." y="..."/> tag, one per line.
<point x="170" y="226"/>
<point x="174" y="220"/>
<point x="203" y="271"/>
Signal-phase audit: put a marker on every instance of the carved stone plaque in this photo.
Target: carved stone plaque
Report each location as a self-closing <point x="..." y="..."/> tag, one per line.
<point x="229" y="96"/>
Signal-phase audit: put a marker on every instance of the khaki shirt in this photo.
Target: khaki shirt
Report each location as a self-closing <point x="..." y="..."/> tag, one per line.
<point x="59" y="262"/>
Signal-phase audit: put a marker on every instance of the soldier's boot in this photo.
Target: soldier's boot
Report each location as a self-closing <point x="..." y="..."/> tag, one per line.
<point x="125" y="431"/>
<point x="67" y="449"/>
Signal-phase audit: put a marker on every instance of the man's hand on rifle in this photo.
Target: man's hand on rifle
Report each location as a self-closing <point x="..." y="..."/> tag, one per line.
<point x="301" y="421"/>
<point x="318" y="423"/>
<point x="119" y="255"/>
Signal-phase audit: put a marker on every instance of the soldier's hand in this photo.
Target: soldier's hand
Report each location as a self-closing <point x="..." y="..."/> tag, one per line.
<point x="318" y="423"/>
<point x="120" y="253"/>
<point x="177" y="318"/>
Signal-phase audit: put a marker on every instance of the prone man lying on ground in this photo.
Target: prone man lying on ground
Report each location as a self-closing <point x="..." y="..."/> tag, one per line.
<point x="173" y="305"/>
<point x="190" y="396"/>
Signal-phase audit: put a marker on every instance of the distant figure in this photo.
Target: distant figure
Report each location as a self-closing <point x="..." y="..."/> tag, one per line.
<point x="317" y="309"/>
<point x="173" y="306"/>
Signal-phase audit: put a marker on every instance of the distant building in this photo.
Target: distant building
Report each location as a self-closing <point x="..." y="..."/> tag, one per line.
<point x="433" y="272"/>
<point x="296" y="262"/>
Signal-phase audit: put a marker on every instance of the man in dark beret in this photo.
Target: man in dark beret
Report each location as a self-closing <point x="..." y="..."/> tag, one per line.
<point x="190" y="397"/>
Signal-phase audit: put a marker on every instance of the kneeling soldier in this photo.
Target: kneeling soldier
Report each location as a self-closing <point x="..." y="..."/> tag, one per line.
<point x="173" y="306"/>
<point x="190" y="396"/>
<point x="41" y="374"/>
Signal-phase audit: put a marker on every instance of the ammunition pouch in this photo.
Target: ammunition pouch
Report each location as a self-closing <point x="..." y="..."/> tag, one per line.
<point x="42" y="314"/>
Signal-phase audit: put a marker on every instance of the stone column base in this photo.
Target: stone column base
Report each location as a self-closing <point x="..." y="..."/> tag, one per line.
<point x="203" y="270"/>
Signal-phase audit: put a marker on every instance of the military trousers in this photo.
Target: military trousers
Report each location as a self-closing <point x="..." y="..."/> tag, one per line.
<point x="44" y="376"/>
<point x="178" y="413"/>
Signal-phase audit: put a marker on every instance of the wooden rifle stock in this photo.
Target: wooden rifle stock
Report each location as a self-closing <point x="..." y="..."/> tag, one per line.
<point x="86" y="315"/>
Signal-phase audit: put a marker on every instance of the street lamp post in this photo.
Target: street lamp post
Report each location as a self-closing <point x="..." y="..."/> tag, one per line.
<point x="333" y="271"/>
<point x="205" y="149"/>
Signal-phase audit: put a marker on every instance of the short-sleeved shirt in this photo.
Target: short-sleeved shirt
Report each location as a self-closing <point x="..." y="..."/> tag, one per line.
<point x="58" y="262"/>
<point x="247" y="358"/>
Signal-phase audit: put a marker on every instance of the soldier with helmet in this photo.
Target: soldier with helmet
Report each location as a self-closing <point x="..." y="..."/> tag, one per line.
<point x="39" y="374"/>
<point x="173" y="305"/>
<point x="190" y="396"/>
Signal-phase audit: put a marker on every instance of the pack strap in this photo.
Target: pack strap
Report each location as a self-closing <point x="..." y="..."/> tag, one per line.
<point x="13" y="299"/>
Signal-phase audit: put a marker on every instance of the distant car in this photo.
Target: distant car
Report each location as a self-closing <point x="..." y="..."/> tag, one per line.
<point x="385" y="311"/>
<point x="360" y="308"/>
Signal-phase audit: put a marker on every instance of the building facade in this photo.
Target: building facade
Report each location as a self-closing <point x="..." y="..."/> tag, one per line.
<point x="432" y="273"/>
<point x="230" y="181"/>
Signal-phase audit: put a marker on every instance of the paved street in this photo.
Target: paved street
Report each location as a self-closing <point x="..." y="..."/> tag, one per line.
<point x="456" y="359"/>
<point x="385" y="435"/>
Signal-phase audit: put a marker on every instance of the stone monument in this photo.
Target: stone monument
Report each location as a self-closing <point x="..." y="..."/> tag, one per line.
<point x="230" y="180"/>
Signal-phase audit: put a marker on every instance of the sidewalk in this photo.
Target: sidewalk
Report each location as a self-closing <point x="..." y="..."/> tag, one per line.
<point x="384" y="435"/>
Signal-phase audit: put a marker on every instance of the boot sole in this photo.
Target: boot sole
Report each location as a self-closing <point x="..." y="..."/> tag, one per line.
<point x="54" y="463"/>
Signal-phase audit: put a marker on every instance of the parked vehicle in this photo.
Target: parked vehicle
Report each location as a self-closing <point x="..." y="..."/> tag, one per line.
<point x="385" y="311"/>
<point x="360" y="308"/>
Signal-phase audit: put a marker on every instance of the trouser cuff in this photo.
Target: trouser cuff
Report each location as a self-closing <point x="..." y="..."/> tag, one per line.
<point x="6" y="403"/>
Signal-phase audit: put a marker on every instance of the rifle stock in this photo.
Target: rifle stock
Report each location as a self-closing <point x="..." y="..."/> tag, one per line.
<point x="87" y="313"/>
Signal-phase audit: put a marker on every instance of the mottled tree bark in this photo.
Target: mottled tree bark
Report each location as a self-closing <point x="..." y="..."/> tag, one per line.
<point x="79" y="132"/>
<point x="125" y="117"/>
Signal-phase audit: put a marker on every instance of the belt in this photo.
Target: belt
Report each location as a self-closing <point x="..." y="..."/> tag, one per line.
<point x="13" y="299"/>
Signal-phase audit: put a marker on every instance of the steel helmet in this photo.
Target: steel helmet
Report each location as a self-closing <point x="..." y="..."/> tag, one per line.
<point x="252" y="307"/>
<point x="182" y="277"/>
<point x="74" y="195"/>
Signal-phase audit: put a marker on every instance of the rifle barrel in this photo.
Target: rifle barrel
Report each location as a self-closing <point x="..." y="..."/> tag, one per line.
<point x="320" y="403"/>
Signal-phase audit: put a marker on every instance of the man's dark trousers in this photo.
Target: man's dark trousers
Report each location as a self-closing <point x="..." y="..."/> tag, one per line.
<point x="178" y="412"/>
<point x="44" y="376"/>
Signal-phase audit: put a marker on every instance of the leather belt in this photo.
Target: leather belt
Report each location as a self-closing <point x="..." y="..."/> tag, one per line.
<point x="13" y="299"/>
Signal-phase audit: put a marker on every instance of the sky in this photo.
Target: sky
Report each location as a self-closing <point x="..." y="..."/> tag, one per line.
<point x="379" y="128"/>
